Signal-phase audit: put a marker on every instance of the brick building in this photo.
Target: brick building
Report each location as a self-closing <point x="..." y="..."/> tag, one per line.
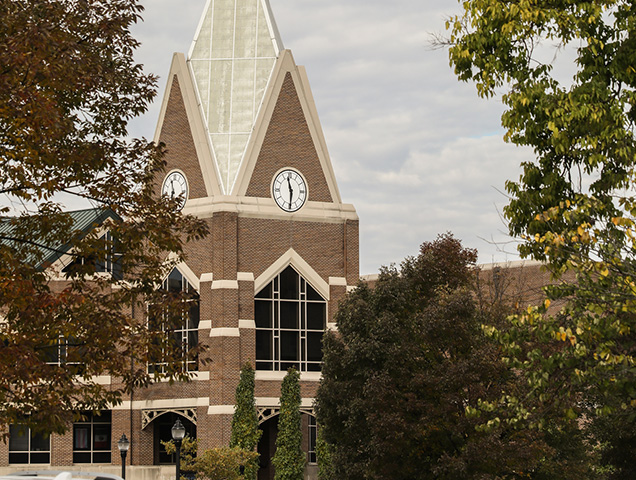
<point x="246" y="152"/>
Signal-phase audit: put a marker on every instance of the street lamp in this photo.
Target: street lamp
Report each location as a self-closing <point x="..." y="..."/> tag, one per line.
<point x="178" y="432"/>
<point x="123" y="444"/>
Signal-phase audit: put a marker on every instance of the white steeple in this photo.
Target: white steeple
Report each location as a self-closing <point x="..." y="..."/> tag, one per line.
<point x="232" y="58"/>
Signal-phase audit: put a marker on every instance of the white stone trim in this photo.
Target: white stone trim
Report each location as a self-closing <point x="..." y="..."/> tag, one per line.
<point x="205" y="324"/>
<point x="305" y="402"/>
<point x="291" y="257"/>
<point x="206" y="277"/>
<point x="266" y="208"/>
<point x="163" y="403"/>
<point x="245" y="277"/>
<point x="221" y="410"/>
<point x="332" y="326"/>
<point x="247" y="324"/>
<point x="338" y="281"/>
<point x="278" y="376"/>
<point x="225" y="285"/>
<point x="225" y="332"/>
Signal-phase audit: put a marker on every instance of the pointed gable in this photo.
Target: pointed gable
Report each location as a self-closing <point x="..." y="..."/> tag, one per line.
<point x="289" y="143"/>
<point x="176" y="133"/>
<point x="232" y="58"/>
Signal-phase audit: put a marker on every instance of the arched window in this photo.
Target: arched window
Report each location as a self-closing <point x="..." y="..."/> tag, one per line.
<point x="186" y="333"/>
<point x="290" y="320"/>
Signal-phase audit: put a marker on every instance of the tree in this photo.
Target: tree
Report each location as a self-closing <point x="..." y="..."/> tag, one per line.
<point x="68" y="87"/>
<point x="571" y="207"/>
<point x="222" y="463"/>
<point x="406" y="374"/>
<point x="289" y="459"/>
<point x="245" y="431"/>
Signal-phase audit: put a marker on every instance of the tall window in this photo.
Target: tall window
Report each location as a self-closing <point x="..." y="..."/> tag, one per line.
<point x="28" y="447"/>
<point x="185" y="336"/>
<point x="92" y="438"/>
<point x="290" y="320"/>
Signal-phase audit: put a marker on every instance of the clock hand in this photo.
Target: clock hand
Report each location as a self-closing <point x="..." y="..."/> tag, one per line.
<point x="172" y="186"/>
<point x="291" y="191"/>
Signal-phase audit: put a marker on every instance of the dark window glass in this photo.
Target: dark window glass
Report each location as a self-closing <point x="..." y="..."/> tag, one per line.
<point x="314" y="346"/>
<point x="263" y="314"/>
<point x="19" y="438"/>
<point x="289" y="315"/>
<point x="266" y="292"/>
<point x="289" y="284"/>
<point x="289" y="345"/>
<point x="175" y="281"/>
<point x="313" y="294"/>
<point x="316" y="315"/>
<point x="92" y="438"/>
<point x="27" y="447"/>
<point x="263" y="345"/>
<point x="289" y="326"/>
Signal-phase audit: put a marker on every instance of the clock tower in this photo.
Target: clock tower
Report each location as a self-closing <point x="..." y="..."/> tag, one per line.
<point x="246" y="152"/>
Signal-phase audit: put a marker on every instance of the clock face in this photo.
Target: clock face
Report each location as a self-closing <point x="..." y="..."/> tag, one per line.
<point x="175" y="186"/>
<point x="289" y="190"/>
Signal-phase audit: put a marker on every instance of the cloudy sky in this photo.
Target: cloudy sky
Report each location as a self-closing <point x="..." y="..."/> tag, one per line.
<point x="416" y="151"/>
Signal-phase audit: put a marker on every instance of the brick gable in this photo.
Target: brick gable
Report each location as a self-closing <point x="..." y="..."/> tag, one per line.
<point x="176" y="134"/>
<point x="288" y="143"/>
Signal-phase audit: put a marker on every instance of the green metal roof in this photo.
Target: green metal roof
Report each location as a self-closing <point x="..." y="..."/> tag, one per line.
<point x="82" y="221"/>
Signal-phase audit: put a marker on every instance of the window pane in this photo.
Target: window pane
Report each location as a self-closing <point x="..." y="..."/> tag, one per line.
<point x="18" y="458"/>
<point x="289" y="284"/>
<point x="263" y="345"/>
<point x="19" y="438"/>
<point x="40" y="443"/>
<point x="82" y="457"/>
<point x="314" y="346"/>
<point x="81" y="437"/>
<point x="289" y="315"/>
<point x="289" y="345"/>
<point x="266" y="292"/>
<point x="175" y="281"/>
<point x="263" y="314"/>
<point x="313" y="294"/>
<point x="40" y="458"/>
<point x="194" y="314"/>
<point x="316" y="313"/>
<point x="101" y="437"/>
<point x="101" y="457"/>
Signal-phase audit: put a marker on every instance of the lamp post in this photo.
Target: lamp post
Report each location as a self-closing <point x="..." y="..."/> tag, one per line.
<point x="178" y="432"/>
<point x="123" y="444"/>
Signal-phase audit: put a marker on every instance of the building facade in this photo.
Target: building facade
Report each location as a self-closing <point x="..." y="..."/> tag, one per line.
<point x="245" y="152"/>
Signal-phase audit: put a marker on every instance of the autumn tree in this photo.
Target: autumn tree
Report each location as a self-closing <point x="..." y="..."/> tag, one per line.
<point x="245" y="431"/>
<point x="404" y="376"/>
<point x="572" y="207"/>
<point x="289" y="458"/>
<point x="68" y="87"/>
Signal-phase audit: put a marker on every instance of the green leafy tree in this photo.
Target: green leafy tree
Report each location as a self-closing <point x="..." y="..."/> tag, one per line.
<point x="68" y="87"/>
<point x="324" y="451"/>
<point x="407" y="372"/>
<point x="289" y="459"/>
<point x="572" y="207"/>
<point x="245" y="431"/>
<point x="223" y="463"/>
